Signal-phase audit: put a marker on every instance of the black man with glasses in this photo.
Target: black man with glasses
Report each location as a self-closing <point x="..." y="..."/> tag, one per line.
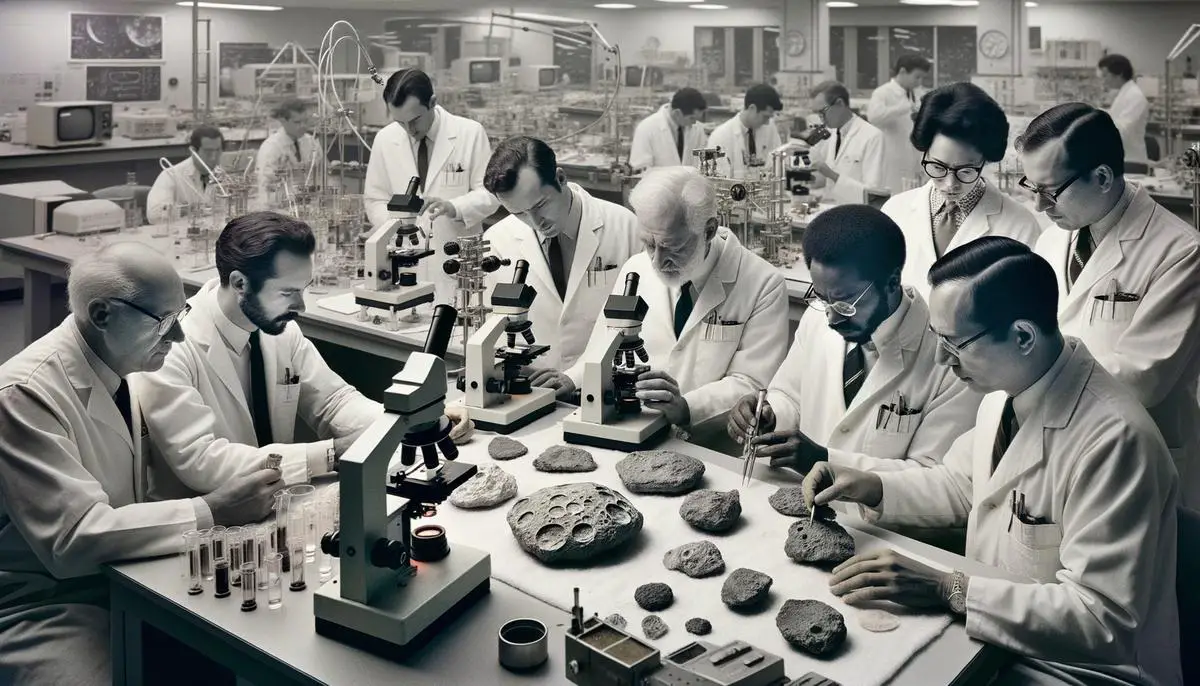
<point x="1128" y="271"/>
<point x="959" y="130"/>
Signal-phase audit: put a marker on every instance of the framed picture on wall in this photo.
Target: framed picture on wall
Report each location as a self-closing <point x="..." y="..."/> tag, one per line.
<point x="232" y="56"/>
<point x="116" y="37"/>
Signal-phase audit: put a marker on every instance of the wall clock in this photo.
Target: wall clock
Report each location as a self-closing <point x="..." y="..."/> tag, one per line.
<point x="796" y="43"/>
<point x="993" y="44"/>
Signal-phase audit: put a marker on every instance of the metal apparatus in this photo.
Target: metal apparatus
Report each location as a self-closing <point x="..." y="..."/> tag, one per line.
<point x="610" y="414"/>
<point x="749" y="449"/>
<point x="1185" y="42"/>
<point x="470" y="264"/>
<point x="398" y="585"/>
<point x="497" y="391"/>
<point x="706" y="160"/>
<point x="1190" y="160"/>
<point x="390" y="265"/>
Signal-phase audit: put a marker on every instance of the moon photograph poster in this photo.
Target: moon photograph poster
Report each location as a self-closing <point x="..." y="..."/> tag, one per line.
<point x="116" y="37"/>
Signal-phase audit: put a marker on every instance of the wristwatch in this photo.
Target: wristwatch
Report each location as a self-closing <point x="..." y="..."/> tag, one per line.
<point x="330" y="459"/>
<point x="957" y="598"/>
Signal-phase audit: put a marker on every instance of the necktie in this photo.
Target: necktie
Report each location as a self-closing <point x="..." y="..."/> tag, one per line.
<point x="423" y="161"/>
<point x="1004" y="433"/>
<point x="683" y="308"/>
<point x="854" y="373"/>
<point x="679" y="144"/>
<point x="1079" y="255"/>
<point x="837" y="142"/>
<point x="296" y="143"/>
<point x="911" y="98"/>
<point x="260" y="409"/>
<point x="944" y="228"/>
<point x="124" y="405"/>
<point x="753" y="149"/>
<point x="558" y="271"/>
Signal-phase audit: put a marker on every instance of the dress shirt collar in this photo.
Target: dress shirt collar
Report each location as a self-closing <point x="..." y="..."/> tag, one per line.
<point x="235" y="337"/>
<point x="1027" y="402"/>
<point x="887" y="334"/>
<point x="434" y="128"/>
<point x="1104" y="225"/>
<point x="709" y="265"/>
<point x="966" y="203"/>
<point x="105" y="373"/>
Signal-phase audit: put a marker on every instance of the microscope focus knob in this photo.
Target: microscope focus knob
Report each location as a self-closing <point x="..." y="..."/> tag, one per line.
<point x="390" y="554"/>
<point x="451" y="267"/>
<point x="330" y="543"/>
<point x="461" y="383"/>
<point x="451" y="248"/>
<point x="494" y="386"/>
<point x="491" y="263"/>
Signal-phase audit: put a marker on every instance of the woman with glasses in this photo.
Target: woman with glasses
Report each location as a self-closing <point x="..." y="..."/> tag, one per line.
<point x="959" y="130"/>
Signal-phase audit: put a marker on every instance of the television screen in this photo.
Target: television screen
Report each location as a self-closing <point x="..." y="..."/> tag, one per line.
<point x="485" y="71"/>
<point x="547" y="77"/>
<point x="76" y="124"/>
<point x="633" y="77"/>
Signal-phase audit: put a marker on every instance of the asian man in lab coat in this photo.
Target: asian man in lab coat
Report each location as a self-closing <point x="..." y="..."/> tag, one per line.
<point x="1065" y="484"/>
<point x="851" y="160"/>
<point x="447" y="152"/>
<point x="891" y="110"/>
<point x="860" y="386"/>
<point x="668" y="137"/>
<point x="749" y="137"/>
<point x="959" y="131"/>
<point x="1130" y="109"/>
<point x="71" y="477"/>
<point x="188" y="182"/>
<point x="231" y="393"/>
<point x="1128" y="271"/>
<point x="575" y="245"/>
<point x="291" y="150"/>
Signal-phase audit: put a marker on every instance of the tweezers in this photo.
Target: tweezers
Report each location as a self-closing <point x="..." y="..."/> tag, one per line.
<point x="750" y="451"/>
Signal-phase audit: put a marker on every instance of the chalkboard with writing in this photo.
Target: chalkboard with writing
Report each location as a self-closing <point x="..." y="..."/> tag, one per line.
<point x="124" y="83"/>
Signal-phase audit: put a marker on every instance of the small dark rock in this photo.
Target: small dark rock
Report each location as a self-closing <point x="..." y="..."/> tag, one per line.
<point x="789" y="500"/>
<point x="697" y="560"/>
<point x="698" y="626"/>
<point x="818" y="542"/>
<point x="712" y="511"/>
<point x="811" y="626"/>
<point x="660" y="471"/>
<point x="654" y="597"/>
<point x="654" y="627"/>
<point x="616" y="620"/>
<point x="745" y="589"/>
<point x="565" y="458"/>
<point x="505" y="448"/>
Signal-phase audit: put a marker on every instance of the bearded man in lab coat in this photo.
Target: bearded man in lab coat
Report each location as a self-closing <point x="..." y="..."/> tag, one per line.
<point x="187" y="183"/>
<point x="891" y="110"/>
<point x="748" y="138"/>
<point x="446" y="152"/>
<point x="1128" y="271"/>
<point x="851" y="160"/>
<point x="70" y="468"/>
<point x="860" y="386"/>
<point x="1064" y="483"/>
<point x="668" y="137"/>
<point x="292" y="149"/>
<point x="231" y="393"/>
<point x="1130" y="109"/>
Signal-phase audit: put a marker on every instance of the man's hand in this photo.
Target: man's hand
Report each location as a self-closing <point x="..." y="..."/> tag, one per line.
<point x="741" y="418"/>
<point x="888" y="575"/>
<point x="461" y="426"/>
<point x="826" y="483"/>
<point x="245" y="499"/>
<point x="827" y="171"/>
<point x="554" y="379"/>
<point x="436" y="208"/>
<point x="791" y="449"/>
<point x="661" y="392"/>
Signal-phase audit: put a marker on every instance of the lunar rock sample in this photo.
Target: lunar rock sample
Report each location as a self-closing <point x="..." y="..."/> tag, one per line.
<point x="711" y="511"/>
<point x="660" y="471"/>
<point x="654" y="597"/>
<point x="818" y="542"/>
<point x="505" y="448"/>
<point x="654" y="627"/>
<point x="811" y="626"/>
<point x="789" y="500"/>
<point x="616" y="620"/>
<point x="697" y="560"/>
<point x="488" y="488"/>
<point x="565" y="458"/>
<point x="698" y="626"/>
<point x="573" y="522"/>
<point x="745" y="589"/>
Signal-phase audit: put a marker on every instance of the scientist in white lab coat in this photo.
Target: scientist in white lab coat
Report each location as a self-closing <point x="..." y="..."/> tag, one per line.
<point x="861" y="386"/>
<point x="749" y="137"/>
<point x="668" y="137"/>
<point x="188" y="182"/>
<point x="71" y="472"/>
<point x="292" y="150"/>
<point x="959" y="130"/>
<point x="851" y="160"/>
<point x="230" y="394"/>
<point x="1064" y="483"/>
<point x="1128" y="271"/>
<point x="448" y="153"/>
<point x="891" y="110"/>
<point x="1130" y="109"/>
<point x="575" y="245"/>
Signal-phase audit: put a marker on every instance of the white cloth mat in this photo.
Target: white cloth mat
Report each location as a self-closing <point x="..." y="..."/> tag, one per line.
<point x="867" y="659"/>
<point x="342" y="304"/>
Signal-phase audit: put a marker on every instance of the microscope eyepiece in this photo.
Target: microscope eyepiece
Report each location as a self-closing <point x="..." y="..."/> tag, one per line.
<point x="521" y="271"/>
<point x="440" y="330"/>
<point x="631" y="283"/>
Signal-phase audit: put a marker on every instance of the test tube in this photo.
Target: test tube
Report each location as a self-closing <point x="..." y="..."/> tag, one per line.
<point x="328" y="515"/>
<point x="218" y="542"/>
<point x="206" y="566"/>
<point x="233" y="547"/>
<point x="248" y="588"/>
<point x="249" y="546"/>
<point x="282" y="499"/>
<point x="274" y="577"/>
<point x="191" y="549"/>
<point x="297" y="545"/>
<point x="262" y="537"/>
<point x="302" y="498"/>
<point x="221" y="572"/>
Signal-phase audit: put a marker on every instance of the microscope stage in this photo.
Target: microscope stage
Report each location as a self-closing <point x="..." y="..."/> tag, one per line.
<point x="400" y="298"/>
<point x="627" y="433"/>
<point x="515" y="412"/>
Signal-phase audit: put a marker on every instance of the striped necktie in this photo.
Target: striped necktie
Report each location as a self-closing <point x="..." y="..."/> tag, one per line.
<point x="854" y="373"/>
<point x="1080" y="254"/>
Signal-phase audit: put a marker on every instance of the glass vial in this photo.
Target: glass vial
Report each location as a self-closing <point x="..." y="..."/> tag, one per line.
<point x="281" y="507"/>
<point x="191" y="549"/>
<point x="274" y="581"/>
<point x="248" y="587"/>
<point x="233" y="547"/>
<point x="263" y="538"/>
<point x="328" y="514"/>
<point x="218" y="542"/>
<point x="297" y="584"/>
<point x="221" y="571"/>
<point x="206" y="560"/>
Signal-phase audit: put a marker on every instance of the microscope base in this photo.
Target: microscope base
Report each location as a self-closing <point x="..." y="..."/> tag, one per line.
<point x="403" y="618"/>
<point x="628" y="433"/>
<point x="516" y="412"/>
<point x="400" y="298"/>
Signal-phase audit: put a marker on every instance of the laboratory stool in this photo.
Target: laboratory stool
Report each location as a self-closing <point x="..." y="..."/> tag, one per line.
<point x="1188" y="590"/>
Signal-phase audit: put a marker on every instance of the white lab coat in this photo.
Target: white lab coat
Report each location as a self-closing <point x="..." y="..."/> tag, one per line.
<point x="1152" y="344"/>
<point x="1101" y="598"/>
<point x="608" y="233"/>
<point x="859" y="161"/>
<point x="996" y="214"/>
<point x="199" y="419"/>
<point x="278" y="154"/>
<point x="806" y="394"/>
<point x="461" y="144"/>
<point x="1130" y="111"/>
<point x="730" y="137"/>
<point x="739" y="356"/>
<point x="177" y="186"/>
<point x="654" y="142"/>
<point x="890" y="111"/>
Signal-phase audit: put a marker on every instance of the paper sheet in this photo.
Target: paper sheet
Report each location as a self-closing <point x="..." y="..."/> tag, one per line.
<point x="342" y="304"/>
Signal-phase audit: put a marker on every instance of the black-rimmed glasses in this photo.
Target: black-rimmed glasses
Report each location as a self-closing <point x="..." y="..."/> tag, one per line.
<point x="1051" y="196"/>
<point x="937" y="169"/>
<point x="956" y="349"/>
<point x="164" y="323"/>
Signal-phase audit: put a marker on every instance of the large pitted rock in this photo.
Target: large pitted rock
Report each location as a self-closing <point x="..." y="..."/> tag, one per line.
<point x="573" y="522"/>
<point x="565" y="458"/>
<point x="811" y="626"/>
<point x="654" y="597"/>
<point x="711" y="511"/>
<point x="697" y="560"/>
<point x="488" y="488"/>
<point x="660" y="471"/>
<point x="505" y="448"/>
<point x="789" y="500"/>
<point x="745" y="589"/>
<point x="818" y="542"/>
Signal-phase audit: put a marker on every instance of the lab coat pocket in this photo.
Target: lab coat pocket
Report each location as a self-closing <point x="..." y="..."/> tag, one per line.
<point x="287" y="393"/>
<point x="454" y="175"/>
<point x="891" y="437"/>
<point x="722" y="333"/>
<point x="1113" y="313"/>
<point x="1034" y="550"/>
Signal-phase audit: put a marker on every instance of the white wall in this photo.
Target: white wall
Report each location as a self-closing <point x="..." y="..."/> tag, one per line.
<point x="675" y="29"/>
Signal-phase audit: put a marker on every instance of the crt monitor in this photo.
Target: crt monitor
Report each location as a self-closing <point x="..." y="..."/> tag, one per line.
<point x="637" y="77"/>
<point x="547" y="77"/>
<point x="76" y="124"/>
<point x="484" y="71"/>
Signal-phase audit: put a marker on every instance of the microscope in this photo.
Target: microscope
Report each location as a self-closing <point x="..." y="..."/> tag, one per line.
<point x="400" y="585"/>
<point x="799" y="169"/>
<point x="610" y="414"/>
<point x="391" y="256"/>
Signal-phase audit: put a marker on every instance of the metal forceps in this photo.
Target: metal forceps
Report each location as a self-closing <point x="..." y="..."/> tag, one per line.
<point x="750" y="451"/>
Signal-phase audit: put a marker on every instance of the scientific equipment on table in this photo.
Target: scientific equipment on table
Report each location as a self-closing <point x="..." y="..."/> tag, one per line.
<point x="328" y="523"/>
<point x="274" y="581"/>
<point x="495" y="384"/>
<point x="749" y="448"/>
<point x="469" y="263"/>
<point x="83" y="217"/>
<point x="206" y="566"/>
<point x="1185" y="42"/>
<point x="220" y="563"/>
<point x="28" y="209"/>
<point x="249" y="587"/>
<point x="537" y="77"/>
<point x="523" y="644"/>
<point x="282" y="546"/>
<point x="144" y="124"/>
<point x="69" y="124"/>
<point x="610" y="414"/>
<point x="383" y="602"/>
<point x="277" y="80"/>
<point x="129" y="203"/>
<point x="13" y="129"/>
<point x="390" y="266"/>
<point x="303" y="501"/>
<point x="799" y="178"/>
<point x="191" y="555"/>
<point x="233" y="549"/>
<point x="706" y="160"/>
<point x="297" y="551"/>
<point x="475" y="71"/>
<point x="264" y="541"/>
<point x="1190" y="161"/>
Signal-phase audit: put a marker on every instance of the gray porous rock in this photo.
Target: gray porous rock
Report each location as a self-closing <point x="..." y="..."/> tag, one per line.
<point x="573" y="522"/>
<point x="654" y="596"/>
<point x="505" y="448"/>
<point x="664" y="472"/>
<point x="488" y="488"/>
<point x="698" y="626"/>
<point x="697" y="560"/>
<point x="811" y="626"/>
<point x="712" y="511"/>
<point x="565" y="458"/>
<point x="745" y="589"/>
<point x="654" y="627"/>
<point x="789" y="500"/>
<point x="818" y="542"/>
<point x="616" y="620"/>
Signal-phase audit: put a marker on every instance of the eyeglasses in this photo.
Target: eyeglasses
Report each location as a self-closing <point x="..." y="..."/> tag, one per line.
<point x="165" y="322"/>
<point x="1051" y="196"/>
<point x="843" y="309"/>
<point x="937" y="169"/>
<point x="956" y="349"/>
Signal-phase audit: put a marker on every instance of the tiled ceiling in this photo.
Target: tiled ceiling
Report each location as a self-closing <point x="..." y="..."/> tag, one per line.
<point x="402" y="6"/>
